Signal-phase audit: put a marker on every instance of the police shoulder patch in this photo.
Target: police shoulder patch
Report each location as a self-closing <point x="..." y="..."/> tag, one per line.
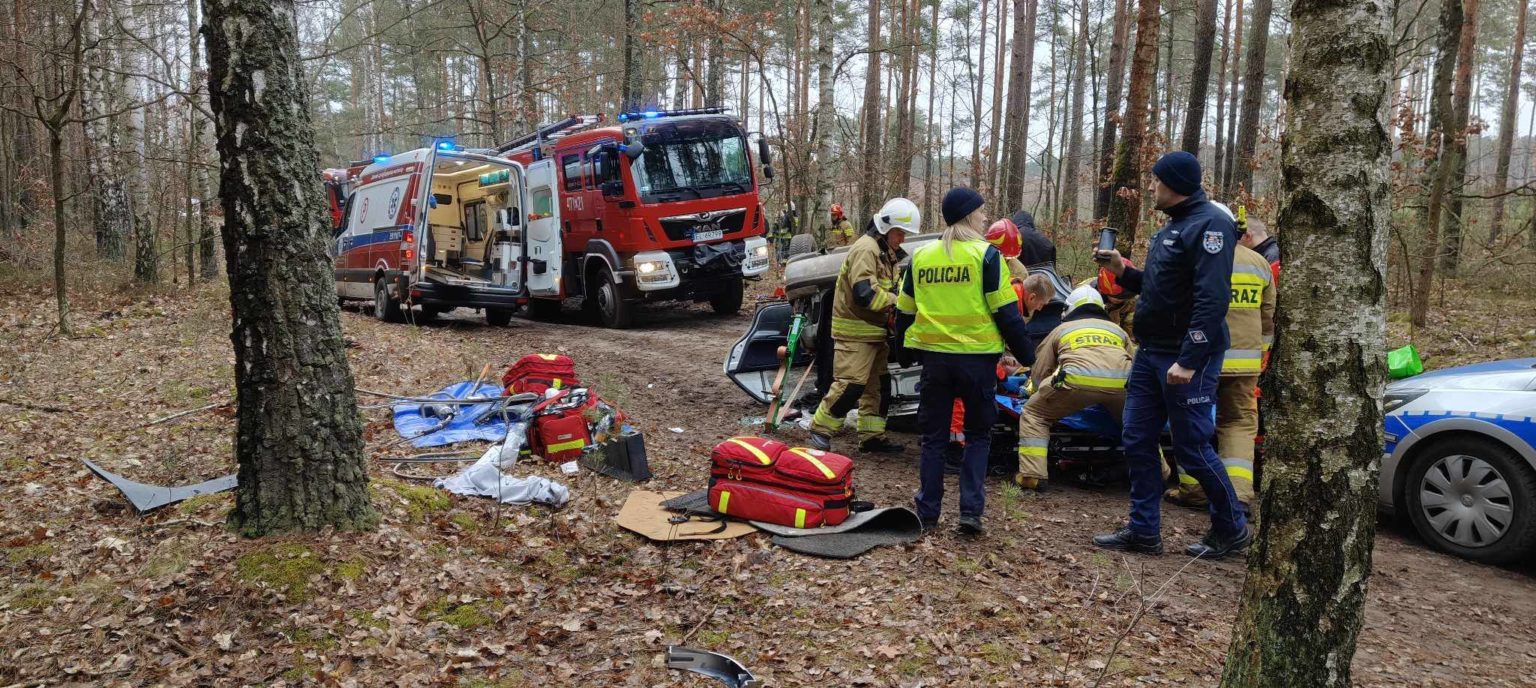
<point x="1213" y="241"/>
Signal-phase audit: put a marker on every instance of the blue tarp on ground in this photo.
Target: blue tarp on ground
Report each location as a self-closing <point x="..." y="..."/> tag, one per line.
<point x="462" y="428"/>
<point x="1092" y="419"/>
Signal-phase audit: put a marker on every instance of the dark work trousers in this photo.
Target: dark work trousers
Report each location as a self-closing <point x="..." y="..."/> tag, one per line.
<point x="971" y="378"/>
<point x="1188" y="411"/>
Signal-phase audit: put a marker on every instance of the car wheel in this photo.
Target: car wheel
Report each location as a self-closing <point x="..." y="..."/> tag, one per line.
<point x="498" y="317"/>
<point x="612" y="310"/>
<point x="1473" y="497"/>
<point x="727" y="301"/>
<point x="801" y="243"/>
<point x="386" y="307"/>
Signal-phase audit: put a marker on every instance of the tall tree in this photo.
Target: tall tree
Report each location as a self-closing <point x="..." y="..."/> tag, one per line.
<point x="1020" y="90"/>
<point x="134" y="68"/>
<point x="633" y="85"/>
<point x="869" y="179"/>
<point x="901" y="145"/>
<point x="298" y="440"/>
<point x="1237" y="49"/>
<point x="1199" y="76"/>
<point x="1456" y="161"/>
<point x="1437" y="171"/>
<point x="976" y="92"/>
<point x="1507" y="116"/>
<point x="1069" y="193"/>
<point x="101" y="97"/>
<point x="1125" y="184"/>
<point x="825" y="104"/>
<point x="995" y="130"/>
<point x="1309" y="567"/>
<point x="1253" y="97"/>
<point x="930" y="143"/>
<point x="1219" y="146"/>
<point x="1112" y="85"/>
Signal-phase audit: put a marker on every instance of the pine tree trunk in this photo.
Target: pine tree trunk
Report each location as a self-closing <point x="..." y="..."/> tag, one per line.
<point x="1125" y="184"/>
<point x="823" y="169"/>
<point x="714" y="85"/>
<point x="1020" y="86"/>
<point x="995" y="131"/>
<point x="60" y="226"/>
<point x="1075" y="122"/>
<point x="1221" y="101"/>
<point x="633" y="75"/>
<point x="1233" y="93"/>
<point x="869" y="179"/>
<point x="1442" y="123"/>
<point x="1450" y="250"/>
<point x="930" y="145"/>
<point x="1304" y="597"/>
<point x="1103" y="186"/>
<point x="1253" y="97"/>
<point x="298" y="441"/>
<point x="981" y="77"/>
<point x="1200" y="76"/>
<point x="901" y="148"/>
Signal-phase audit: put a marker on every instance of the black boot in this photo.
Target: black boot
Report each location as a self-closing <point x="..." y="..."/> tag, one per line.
<point x="1127" y="540"/>
<point x="1214" y="546"/>
<point x="970" y="525"/>
<point x="881" y="445"/>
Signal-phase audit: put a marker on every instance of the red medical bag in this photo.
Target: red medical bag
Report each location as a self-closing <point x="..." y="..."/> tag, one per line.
<point x="764" y="480"/>
<point x="538" y="372"/>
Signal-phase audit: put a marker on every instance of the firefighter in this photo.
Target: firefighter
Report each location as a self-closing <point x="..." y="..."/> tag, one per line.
<point x="1181" y="336"/>
<point x="784" y="232"/>
<point x="842" y="229"/>
<point x="957" y="310"/>
<point x="1251" y="324"/>
<point x="1084" y="361"/>
<point x="862" y="304"/>
<point x="1004" y="234"/>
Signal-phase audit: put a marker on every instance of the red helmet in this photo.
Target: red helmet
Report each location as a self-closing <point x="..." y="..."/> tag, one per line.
<point x="1108" y="285"/>
<point x="1005" y="236"/>
<point x="837" y="210"/>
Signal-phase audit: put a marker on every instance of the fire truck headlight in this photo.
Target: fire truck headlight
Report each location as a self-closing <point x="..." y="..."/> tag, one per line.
<point x="648" y="268"/>
<point x="760" y="251"/>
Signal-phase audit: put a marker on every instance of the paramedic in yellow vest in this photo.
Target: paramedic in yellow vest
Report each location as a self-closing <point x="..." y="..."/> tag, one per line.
<point x="1084" y="361"/>
<point x="862" y="305"/>
<point x="958" y="312"/>
<point x="842" y="229"/>
<point x="1251" y="323"/>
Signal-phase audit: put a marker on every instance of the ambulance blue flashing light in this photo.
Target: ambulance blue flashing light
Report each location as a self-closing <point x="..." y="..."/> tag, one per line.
<point x="381" y="158"/>
<point x="445" y="145"/>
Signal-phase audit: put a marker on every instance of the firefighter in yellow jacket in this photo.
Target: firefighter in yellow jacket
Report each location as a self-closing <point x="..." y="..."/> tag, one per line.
<point x="862" y="304"/>
<point x="1251" y="324"/>
<point x="1084" y="361"/>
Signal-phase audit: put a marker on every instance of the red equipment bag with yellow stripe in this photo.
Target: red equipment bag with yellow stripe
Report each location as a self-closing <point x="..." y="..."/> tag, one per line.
<point x="764" y="480"/>
<point x="538" y="372"/>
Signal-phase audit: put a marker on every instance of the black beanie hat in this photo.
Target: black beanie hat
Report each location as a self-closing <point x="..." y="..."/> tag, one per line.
<point x="1179" y="171"/>
<point x="959" y="203"/>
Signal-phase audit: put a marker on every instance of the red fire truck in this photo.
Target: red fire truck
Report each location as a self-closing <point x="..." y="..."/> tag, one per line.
<point x="663" y="206"/>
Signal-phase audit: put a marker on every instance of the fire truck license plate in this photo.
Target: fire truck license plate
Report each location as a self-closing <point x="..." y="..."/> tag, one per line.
<point x="708" y="235"/>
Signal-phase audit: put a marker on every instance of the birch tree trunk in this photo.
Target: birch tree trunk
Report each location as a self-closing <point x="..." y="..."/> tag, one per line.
<point x="823" y="170"/>
<point x="1103" y="186"/>
<point x="298" y="441"/>
<point x="1507" y="116"/>
<point x="1304" y="597"/>
<point x="1253" y="97"/>
<point x="1125" y="184"/>
<point x="1200" y="77"/>
<point x="100" y="98"/>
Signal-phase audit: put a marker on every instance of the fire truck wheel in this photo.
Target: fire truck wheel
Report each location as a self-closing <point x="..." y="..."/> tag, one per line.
<point x="386" y="307"/>
<point x="727" y="301"/>
<point x="498" y="317"/>
<point x="611" y="308"/>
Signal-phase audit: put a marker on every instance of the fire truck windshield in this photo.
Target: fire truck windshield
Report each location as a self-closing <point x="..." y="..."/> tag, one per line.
<point x="703" y="163"/>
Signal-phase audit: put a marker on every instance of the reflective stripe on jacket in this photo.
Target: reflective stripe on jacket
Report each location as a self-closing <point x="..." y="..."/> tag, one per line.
<point x="1251" y="315"/>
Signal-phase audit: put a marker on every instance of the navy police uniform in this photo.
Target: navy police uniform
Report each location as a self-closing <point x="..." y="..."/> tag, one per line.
<point x="1185" y="288"/>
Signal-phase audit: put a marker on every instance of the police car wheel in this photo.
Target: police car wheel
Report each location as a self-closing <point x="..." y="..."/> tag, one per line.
<point x="1474" y="498"/>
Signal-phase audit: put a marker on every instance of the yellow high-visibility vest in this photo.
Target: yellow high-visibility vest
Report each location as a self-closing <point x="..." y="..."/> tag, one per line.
<point x="953" y="313"/>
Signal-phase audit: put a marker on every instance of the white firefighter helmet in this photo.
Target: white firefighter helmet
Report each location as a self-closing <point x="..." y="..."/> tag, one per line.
<point x="1225" y="210"/>
<point x="898" y="213"/>
<point x="1083" y="296"/>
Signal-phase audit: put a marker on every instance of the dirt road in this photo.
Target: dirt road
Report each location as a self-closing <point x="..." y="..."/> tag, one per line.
<point x="450" y="591"/>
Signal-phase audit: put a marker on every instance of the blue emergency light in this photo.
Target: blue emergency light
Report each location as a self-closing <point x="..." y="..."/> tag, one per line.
<point x="656" y="114"/>
<point x="381" y="158"/>
<point x="445" y="145"/>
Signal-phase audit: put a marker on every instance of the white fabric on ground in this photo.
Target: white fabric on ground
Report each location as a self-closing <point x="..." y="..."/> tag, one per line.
<point x="484" y="479"/>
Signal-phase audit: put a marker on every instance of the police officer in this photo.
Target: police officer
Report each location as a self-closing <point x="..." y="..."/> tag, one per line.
<point x="1251" y="327"/>
<point x="957" y="309"/>
<point x="862" y="303"/>
<point x="1181" y="331"/>
<point x="1084" y="361"/>
<point x="842" y="229"/>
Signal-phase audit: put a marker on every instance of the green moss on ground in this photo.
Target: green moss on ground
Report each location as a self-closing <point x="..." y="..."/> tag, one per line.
<point x="285" y="566"/>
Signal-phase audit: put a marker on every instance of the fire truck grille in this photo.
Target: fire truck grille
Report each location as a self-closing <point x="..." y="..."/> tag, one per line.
<point x="683" y="227"/>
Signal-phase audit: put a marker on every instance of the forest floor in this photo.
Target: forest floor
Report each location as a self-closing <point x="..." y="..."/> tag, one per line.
<point x="446" y="593"/>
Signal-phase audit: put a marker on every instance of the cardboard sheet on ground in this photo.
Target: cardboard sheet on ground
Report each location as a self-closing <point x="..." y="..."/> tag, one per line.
<point x="462" y="428"/>
<point x="643" y="513"/>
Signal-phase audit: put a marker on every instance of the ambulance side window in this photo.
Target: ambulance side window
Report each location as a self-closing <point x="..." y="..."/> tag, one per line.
<point x="346" y="215"/>
<point x="543" y="202"/>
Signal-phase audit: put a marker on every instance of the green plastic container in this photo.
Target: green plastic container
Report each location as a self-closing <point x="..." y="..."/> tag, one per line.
<point x="1404" y="362"/>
